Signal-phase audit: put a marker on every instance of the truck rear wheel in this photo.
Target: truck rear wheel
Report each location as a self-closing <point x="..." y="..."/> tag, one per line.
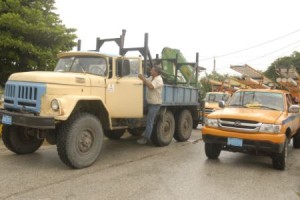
<point x="279" y="159"/>
<point x="296" y="140"/>
<point x="136" y="131"/>
<point x="20" y="140"/>
<point x="184" y="126"/>
<point x="114" y="134"/>
<point x="163" y="131"/>
<point x="80" y="140"/>
<point x="212" y="150"/>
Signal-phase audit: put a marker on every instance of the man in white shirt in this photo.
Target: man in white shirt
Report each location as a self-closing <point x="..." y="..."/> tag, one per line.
<point x="154" y="99"/>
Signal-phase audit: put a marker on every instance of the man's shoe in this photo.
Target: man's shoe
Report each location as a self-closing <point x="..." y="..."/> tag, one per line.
<point x="142" y="141"/>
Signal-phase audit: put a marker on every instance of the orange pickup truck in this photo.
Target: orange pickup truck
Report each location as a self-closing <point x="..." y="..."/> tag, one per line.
<point x="256" y="121"/>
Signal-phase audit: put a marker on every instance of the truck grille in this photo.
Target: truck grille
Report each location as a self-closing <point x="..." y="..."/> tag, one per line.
<point x="239" y="125"/>
<point x="23" y="96"/>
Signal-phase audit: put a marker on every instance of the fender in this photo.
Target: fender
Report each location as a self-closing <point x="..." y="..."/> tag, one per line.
<point x="69" y="102"/>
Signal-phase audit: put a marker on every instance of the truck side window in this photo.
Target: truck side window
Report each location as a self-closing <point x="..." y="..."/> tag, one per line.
<point x="110" y="68"/>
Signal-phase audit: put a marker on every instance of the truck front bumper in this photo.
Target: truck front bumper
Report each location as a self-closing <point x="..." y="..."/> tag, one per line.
<point x="268" y="143"/>
<point x="27" y="120"/>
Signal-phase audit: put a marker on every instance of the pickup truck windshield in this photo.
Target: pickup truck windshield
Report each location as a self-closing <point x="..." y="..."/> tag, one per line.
<point x="260" y="100"/>
<point x="214" y="97"/>
<point x="91" y="65"/>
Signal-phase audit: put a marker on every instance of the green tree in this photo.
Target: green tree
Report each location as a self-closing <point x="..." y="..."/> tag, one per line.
<point x="286" y="62"/>
<point x="31" y="35"/>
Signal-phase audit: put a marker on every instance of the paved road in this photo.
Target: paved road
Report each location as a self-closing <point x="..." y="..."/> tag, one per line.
<point x="126" y="170"/>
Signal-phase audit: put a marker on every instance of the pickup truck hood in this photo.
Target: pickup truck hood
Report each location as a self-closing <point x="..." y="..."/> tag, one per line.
<point x="259" y="115"/>
<point x="52" y="77"/>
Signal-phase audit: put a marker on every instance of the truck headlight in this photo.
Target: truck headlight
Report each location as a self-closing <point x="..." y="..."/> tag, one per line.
<point x="55" y="105"/>
<point x="211" y="122"/>
<point x="270" y="128"/>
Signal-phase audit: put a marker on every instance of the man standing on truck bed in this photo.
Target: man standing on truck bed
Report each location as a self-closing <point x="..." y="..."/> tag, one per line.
<point x="154" y="91"/>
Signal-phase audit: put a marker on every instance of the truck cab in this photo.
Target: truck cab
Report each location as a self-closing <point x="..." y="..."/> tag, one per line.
<point x="256" y="121"/>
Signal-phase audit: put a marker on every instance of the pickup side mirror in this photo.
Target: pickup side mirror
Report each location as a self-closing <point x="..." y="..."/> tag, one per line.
<point x="221" y="104"/>
<point x="294" y="109"/>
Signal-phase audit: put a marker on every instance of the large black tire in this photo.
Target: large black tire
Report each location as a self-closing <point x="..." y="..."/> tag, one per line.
<point x="136" y="131"/>
<point x="20" y="140"/>
<point x="212" y="150"/>
<point x="279" y="159"/>
<point x="163" y="131"/>
<point x="296" y="140"/>
<point x="80" y="140"/>
<point x="114" y="134"/>
<point x="183" y="126"/>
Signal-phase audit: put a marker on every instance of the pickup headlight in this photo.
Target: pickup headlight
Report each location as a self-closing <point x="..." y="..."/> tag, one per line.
<point x="55" y="105"/>
<point x="270" y="128"/>
<point x="211" y="122"/>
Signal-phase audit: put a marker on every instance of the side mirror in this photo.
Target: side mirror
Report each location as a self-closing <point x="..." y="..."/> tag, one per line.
<point x="123" y="68"/>
<point x="221" y="104"/>
<point x="294" y="109"/>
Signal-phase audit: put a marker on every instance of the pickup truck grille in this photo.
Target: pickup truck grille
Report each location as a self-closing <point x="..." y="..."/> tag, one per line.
<point x="23" y="96"/>
<point x="239" y="125"/>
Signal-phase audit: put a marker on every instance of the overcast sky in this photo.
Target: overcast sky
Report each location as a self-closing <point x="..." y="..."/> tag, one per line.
<point x="215" y="28"/>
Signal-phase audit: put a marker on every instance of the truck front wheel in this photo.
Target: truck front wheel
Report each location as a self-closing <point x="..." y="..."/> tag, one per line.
<point x="212" y="150"/>
<point x="20" y="140"/>
<point x="279" y="159"/>
<point x="163" y="131"/>
<point x="80" y="140"/>
<point x="184" y="126"/>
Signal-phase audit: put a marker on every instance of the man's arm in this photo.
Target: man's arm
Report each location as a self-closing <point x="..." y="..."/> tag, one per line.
<point x="146" y="82"/>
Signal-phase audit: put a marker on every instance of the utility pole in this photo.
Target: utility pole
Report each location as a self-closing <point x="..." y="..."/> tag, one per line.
<point x="214" y="70"/>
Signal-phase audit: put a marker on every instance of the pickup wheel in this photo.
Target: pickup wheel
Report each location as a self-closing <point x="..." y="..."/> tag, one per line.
<point x="20" y="140"/>
<point x="136" y="131"/>
<point x="296" y="140"/>
<point x="212" y="150"/>
<point x="163" y="131"/>
<point x="114" y="134"/>
<point x="80" y="140"/>
<point x="279" y="159"/>
<point x="184" y="126"/>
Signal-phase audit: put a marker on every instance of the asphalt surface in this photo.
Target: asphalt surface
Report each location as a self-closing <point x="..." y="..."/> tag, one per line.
<point x="126" y="170"/>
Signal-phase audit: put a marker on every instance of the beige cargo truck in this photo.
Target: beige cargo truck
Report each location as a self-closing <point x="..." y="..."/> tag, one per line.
<point x="90" y="95"/>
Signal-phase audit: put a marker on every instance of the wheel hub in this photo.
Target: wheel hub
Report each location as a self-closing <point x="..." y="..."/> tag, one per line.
<point x="85" y="141"/>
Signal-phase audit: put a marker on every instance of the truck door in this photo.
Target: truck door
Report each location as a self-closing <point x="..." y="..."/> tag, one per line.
<point x="124" y="91"/>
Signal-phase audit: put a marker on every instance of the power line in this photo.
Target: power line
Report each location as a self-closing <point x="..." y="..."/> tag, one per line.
<point x="252" y="47"/>
<point x="274" y="51"/>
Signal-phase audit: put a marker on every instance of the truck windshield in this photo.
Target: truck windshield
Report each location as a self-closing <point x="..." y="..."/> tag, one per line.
<point x="216" y="97"/>
<point x="260" y="100"/>
<point x="92" y="65"/>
